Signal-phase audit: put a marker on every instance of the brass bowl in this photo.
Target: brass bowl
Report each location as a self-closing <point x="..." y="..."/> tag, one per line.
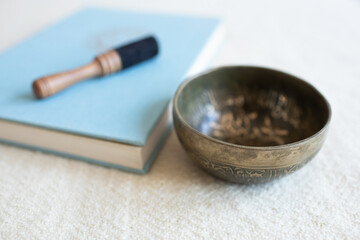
<point x="250" y="124"/>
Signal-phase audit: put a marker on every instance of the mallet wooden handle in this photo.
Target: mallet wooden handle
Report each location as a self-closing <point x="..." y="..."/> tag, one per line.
<point x="104" y="64"/>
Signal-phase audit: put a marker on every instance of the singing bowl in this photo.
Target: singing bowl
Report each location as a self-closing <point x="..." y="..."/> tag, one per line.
<point x="250" y="124"/>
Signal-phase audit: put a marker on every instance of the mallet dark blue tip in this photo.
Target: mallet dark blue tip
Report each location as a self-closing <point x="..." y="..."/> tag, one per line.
<point x="137" y="52"/>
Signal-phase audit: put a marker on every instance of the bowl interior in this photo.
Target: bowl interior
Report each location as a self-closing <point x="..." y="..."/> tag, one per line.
<point x="252" y="106"/>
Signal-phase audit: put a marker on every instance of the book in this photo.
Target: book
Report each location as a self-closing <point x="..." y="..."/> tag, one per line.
<point x="120" y="120"/>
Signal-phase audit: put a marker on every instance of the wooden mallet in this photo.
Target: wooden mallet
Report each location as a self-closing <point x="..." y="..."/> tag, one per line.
<point x="104" y="64"/>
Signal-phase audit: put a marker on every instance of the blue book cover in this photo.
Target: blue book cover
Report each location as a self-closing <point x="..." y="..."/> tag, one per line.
<point x="122" y="107"/>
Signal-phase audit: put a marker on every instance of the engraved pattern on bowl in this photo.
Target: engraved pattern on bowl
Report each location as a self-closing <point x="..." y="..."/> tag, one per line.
<point x="250" y="124"/>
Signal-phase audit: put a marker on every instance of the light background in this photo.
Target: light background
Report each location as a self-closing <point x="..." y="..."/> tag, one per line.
<point x="48" y="197"/>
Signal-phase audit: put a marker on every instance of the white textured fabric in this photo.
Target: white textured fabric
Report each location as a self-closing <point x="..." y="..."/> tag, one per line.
<point x="49" y="197"/>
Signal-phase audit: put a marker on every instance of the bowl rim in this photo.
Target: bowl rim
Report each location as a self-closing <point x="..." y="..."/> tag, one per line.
<point x="292" y="144"/>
